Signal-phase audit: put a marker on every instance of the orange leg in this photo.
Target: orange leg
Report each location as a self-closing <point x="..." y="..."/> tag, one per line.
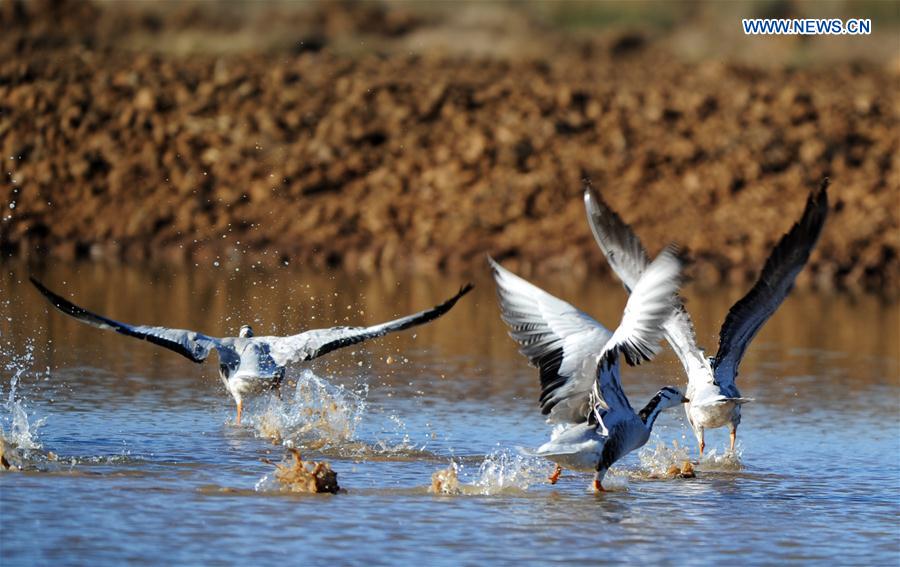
<point x="733" y="437"/>
<point x="240" y="410"/>
<point x="555" y="476"/>
<point x="598" y="487"/>
<point x="702" y="443"/>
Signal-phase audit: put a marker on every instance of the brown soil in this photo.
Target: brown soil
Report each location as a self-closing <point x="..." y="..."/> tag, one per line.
<point x="445" y="481"/>
<point x="387" y="159"/>
<point x="309" y="477"/>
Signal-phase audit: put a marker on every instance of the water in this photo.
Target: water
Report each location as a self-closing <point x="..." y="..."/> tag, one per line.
<point x="129" y="454"/>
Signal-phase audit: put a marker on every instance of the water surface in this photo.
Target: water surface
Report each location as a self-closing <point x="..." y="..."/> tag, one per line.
<point x="147" y="467"/>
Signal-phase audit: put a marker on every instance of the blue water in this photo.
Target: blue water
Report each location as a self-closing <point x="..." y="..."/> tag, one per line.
<point x="147" y="467"/>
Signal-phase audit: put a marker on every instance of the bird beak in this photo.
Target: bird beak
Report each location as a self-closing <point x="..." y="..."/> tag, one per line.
<point x="684" y="400"/>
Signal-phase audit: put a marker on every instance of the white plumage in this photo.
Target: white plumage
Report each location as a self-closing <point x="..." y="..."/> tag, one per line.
<point x="715" y="399"/>
<point x="578" y="359"/>
<point x="249" y="364"/>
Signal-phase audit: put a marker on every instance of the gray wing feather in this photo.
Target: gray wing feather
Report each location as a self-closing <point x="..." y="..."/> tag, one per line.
<point x="190" y="344"/>
<point x="561" y="341"/>
<point x="315" y="343"/>
<point x="649" y="306"/>
<point x="628" y="259"/>
<point x="787" y="259"/>
<point x="637" y="336"/>
<point x="622" y="248"/>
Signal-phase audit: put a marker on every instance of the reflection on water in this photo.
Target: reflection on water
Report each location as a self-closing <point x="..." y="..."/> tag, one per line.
<point x="144" y="456"/>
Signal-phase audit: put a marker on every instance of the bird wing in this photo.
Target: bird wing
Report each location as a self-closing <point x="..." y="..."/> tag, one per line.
<point x="638" y="334"/>
<point x="621" y="246"/>
<point x="628" y="259"/>
<point x="561" y="341"/>
<point x="317" y="342"/>
<point x="190" y="344"/>
<point x="788" y="257"/>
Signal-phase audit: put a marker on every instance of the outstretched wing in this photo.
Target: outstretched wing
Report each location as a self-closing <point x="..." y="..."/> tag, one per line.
<point x="788" y="257"/>
<point x="560" y="340"/>
<point x="621" y="246"/>
<point x="637" y="336"/>
<point x="315" y="343"/>
<point x="628" y="259"/>
<point x="190" y="344"/>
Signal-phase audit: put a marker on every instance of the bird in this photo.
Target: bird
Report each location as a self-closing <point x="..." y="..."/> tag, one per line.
<point x="578" y="361"/>
<point x="249" y="364"/>
<point x="715" y="399"/>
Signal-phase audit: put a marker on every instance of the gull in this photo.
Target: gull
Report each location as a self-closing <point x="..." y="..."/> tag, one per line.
<point x="249" y="364"/>
<point x="578" y="359"/>
<point x="715" y="399"/>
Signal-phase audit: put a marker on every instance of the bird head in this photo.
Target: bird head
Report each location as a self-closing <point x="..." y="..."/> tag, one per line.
<point x="670" y="397"/>
<point x="246" y="331"/>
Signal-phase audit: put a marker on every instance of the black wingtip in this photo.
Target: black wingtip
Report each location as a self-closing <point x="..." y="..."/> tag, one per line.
<point x="816" y="210"/>
<point x="785" y="261"/>
<point x="447" y="305"/>
<point x="36" y="283"/>
<point x="818" y="197"/>
<point x="49" y="295"/>
<point x="60" y="302"/>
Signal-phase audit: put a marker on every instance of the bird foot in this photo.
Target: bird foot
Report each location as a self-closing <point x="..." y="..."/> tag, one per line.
<point x="555" y="476"/>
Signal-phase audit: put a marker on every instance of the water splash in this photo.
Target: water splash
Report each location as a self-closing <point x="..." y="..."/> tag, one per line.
<point x="446" y="481"/>
<point x="668" y="461"/>
<point x="319" y="414"/>
<point x="19" y="441"/>
<point x="659" y="460"/>
<point x="326" y="417"/>
<point x="726" y="462"/>
<point x="501" y="472"/>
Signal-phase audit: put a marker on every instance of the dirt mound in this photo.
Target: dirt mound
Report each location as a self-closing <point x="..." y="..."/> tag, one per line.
<point x="419" y="162"/>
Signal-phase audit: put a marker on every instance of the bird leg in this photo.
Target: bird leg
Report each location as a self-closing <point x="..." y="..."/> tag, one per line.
<point x="240" y="410"/>
<point x="279" y="382"/>
<point x="598" y="487"/>
<point x="733" y="437"/>
<point x="555" y="476"/>
<point x="702" y="443"/>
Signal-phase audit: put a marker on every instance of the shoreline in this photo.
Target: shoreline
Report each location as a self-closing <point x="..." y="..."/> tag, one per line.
<point x="392" y="160"/>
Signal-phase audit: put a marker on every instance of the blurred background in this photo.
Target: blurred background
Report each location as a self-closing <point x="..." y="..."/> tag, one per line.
<point x="298" y="165"/>
<point x="418" y="136"/>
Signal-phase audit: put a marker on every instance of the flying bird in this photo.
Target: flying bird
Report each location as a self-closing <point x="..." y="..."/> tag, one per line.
<point x="578" y="360"/>
<point x="715" y="399"/>
<point x="249" y="364"/>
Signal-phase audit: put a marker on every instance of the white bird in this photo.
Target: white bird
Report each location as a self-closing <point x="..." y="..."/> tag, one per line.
<point x="715" y="399"/>
<point x="578" y="359"/>
<point x="249" y="364"/>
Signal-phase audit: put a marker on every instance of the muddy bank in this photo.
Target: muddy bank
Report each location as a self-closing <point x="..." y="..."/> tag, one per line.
<point x="413" y="161"/>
